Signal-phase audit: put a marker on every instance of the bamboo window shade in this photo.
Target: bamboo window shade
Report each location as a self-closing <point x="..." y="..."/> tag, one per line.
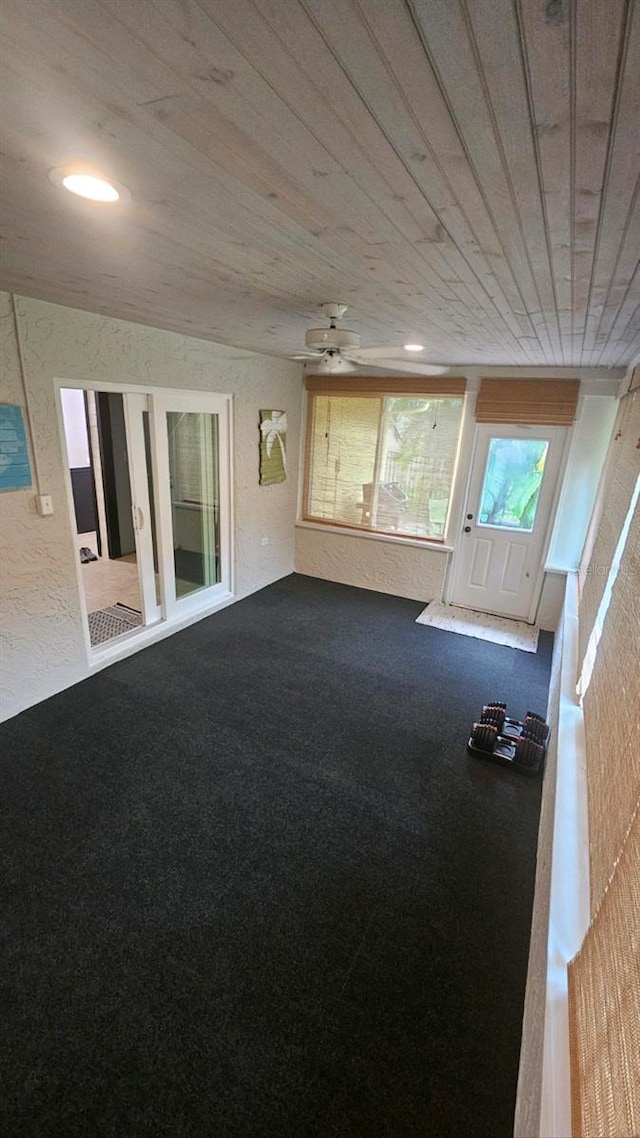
<point x="381" y="386"/>
<point x="604" y="1007"/>
<point x="623" y="467"/>
<point x="540" y="402"/>
<point x="604" y="977"/>
<point x="612" y="719"/>
<point x="380" y="453"/>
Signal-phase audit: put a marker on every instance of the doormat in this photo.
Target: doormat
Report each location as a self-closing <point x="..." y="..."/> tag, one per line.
<point x="498" y="629"/>
<point x="105" y="624"/>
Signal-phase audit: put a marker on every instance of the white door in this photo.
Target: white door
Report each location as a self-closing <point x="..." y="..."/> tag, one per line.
<point x="498" y="563"/>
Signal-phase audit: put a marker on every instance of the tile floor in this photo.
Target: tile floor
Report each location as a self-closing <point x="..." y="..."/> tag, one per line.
<point x="109" y="582"/>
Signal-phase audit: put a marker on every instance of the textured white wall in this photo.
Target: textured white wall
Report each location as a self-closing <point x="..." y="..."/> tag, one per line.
<point x="551" y="601"/>
<point x="371" y="563"/>
<point x="42" y="647"/>
<point x="591" y="436"/>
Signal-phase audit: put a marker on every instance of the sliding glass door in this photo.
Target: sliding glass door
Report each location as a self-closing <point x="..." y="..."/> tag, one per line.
<point x="174" y="458"/>
<point x="189" y="437"/>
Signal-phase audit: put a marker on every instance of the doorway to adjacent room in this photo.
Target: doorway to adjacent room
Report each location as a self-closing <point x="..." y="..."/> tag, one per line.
<point x="150" y="491"/>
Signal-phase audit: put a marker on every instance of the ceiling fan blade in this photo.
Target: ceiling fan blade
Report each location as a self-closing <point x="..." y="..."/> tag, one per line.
<point x="386" y="352"/>
<point x="307" y="356"/>
<point x="401" y="364"/>
<point x="413" y="369"/>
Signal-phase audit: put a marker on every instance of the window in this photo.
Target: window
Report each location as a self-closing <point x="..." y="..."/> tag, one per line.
<point x="382" y="459"/>
<point x="511" y="484"/>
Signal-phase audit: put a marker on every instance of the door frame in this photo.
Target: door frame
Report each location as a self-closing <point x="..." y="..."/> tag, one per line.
<point x="201" y="603"/>
<point x="457" y="559"/>
<point x="134" y="406"/>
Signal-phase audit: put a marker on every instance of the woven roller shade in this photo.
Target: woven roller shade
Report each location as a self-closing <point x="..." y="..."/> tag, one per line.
<point x="548" y="402"/>
<point x="621" y="472"/>
<point x="381" y="385"/>
<point x="604" y="1008"/>
<point x="381" y="459"/>
<point x="612" y="719"/>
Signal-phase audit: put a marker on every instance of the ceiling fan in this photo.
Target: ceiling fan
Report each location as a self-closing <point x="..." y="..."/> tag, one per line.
<point x="337" y="351"/>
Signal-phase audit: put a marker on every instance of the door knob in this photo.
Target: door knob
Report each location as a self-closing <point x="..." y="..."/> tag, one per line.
<point x="467" y="529"/>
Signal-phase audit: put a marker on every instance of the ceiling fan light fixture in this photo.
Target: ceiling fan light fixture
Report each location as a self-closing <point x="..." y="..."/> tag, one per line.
<point x="414" y="347"/>
<point x="94" y="187"/>
<point x="331" y="363"/>
<point x="334" y="339"/>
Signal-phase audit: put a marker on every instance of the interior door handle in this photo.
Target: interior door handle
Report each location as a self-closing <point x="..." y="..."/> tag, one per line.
<point x="139" y="518"/>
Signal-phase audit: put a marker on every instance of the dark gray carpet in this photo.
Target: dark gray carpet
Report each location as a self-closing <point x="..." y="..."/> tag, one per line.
<point x="253" y="885"/>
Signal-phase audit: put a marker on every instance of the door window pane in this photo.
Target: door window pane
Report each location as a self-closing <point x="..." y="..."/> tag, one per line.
<point x="193" y="471"/>
<point x="511" y="484"/>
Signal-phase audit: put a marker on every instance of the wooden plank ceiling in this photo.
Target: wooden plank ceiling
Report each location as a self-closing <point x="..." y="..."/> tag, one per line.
<point x="464" y="172"/>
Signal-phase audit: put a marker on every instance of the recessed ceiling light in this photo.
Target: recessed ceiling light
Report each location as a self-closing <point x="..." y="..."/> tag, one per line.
<point x="414" y="347"/>
<point x="91" y="186"/>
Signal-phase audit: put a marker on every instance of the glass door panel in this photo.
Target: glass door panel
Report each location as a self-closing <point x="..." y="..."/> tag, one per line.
<point x="511" y="484"/>
<point x="194" y="481"/>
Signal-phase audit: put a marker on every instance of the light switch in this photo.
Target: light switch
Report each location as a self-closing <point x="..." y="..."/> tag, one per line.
<point x="44" y="505"/>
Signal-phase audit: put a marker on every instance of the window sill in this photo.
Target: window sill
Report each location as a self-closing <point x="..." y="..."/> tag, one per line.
<point x="418" y="543"/>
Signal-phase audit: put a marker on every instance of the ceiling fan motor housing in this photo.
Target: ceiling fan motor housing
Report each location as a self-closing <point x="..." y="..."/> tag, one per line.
<point x="338" y="339"/>
<point x="331" y="364"/>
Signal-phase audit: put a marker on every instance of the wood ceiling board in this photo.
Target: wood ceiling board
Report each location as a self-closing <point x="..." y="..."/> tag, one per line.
<point x="498" y="38"/>
<point x="546" y="46"/>
<point x="324" y="73"/>
<point x="348" y="151"/>
<point x="627" y="318"/>
<point x="385" y="255"/>
<point x="404" y="144"/>
<point x="599" y="40"/>
<point x="454" y="53"/>
<point x="366" y="62"/>
<point x="165" y="116"/>
<point x="618" y="247"/>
